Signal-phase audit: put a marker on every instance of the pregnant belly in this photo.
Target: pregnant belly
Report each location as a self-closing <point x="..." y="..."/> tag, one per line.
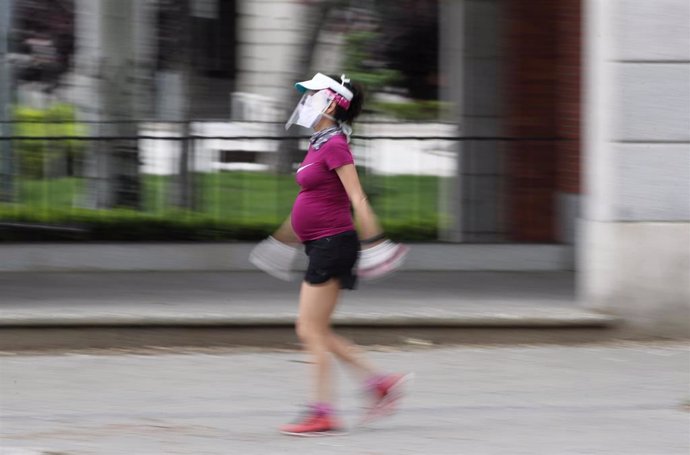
<point x="315" y="219"/>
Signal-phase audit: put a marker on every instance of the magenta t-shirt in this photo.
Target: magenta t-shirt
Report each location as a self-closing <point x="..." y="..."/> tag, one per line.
<point x="322" y="207"/>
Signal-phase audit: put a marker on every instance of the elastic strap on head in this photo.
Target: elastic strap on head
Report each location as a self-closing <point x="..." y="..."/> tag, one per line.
<point x="340" y="100"/>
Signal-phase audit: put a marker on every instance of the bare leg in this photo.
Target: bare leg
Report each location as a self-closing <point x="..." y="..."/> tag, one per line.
<point x="351" y="354"/>
<point x="316" y="305"/>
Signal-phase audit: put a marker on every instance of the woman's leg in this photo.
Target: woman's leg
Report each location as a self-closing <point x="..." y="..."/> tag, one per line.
<point x="351" y="354"/>
<point x="317" y="302"/>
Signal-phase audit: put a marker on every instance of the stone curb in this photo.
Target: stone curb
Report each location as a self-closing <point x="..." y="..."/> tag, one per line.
<point x="496" y="320"/>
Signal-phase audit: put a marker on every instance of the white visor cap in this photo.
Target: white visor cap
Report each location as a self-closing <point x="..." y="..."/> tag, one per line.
<point x="321" y="82"/>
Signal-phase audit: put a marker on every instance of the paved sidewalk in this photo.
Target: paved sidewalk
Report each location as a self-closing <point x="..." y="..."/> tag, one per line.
<point x="245" y="298"/>
<point x="627" y="399"/>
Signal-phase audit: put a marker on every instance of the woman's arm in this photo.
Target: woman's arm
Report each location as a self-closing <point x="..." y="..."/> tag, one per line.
<point x="285" y="233"/>
<point x="276" y="253"/>
<point x="364" y="215"/>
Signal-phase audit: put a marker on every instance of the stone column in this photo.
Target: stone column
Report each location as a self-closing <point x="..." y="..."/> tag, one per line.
<point x="634" y="248"/>
<point x="86" y="96"/>
<point x="472" y="64"/>
<point x="113" y="61"/>
<point x="6" y="83"/>
<point x="271" y="36"/>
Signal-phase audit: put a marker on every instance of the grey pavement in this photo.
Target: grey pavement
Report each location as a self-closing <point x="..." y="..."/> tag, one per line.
<point x="613" y="398"/>
<point x="498" y="298"/>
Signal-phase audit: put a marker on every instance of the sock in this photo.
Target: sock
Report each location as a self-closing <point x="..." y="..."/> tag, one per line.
<point x="322" y="409"/>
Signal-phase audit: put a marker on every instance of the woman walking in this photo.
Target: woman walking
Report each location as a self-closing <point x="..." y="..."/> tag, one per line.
<point x="321" y="219"/>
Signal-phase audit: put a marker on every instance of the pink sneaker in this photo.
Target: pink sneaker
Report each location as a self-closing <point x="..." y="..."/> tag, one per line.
<point x="315" y="422"/>
<point x="385" y="393"/>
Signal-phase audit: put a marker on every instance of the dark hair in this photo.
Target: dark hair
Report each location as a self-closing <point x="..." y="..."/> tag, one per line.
<point x="348" y="116"/>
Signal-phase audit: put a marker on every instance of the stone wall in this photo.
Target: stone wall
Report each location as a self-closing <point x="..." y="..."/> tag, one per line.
<point x="634" y="256"/>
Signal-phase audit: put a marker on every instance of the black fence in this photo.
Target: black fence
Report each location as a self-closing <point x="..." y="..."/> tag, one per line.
<point x="235" y="181"/>
<point x="198" y="181"/>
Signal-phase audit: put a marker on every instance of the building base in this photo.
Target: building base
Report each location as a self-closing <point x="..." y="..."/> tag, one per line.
<point x="639" y="272"/>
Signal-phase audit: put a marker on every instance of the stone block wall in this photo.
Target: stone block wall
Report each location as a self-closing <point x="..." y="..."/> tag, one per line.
<point x="634" y="255"/>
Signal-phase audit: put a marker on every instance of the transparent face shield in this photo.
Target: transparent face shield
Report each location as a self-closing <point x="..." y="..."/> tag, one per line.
<point x="310" y="109"/>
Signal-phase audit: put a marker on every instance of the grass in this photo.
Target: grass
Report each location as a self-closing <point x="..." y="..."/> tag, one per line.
<point x="230" y="205"/>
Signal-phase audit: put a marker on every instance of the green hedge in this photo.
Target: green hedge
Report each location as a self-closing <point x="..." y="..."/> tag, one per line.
<point x="25" y="224"/>
<point x="232" y="206"/>
<point x="21" y="224"/>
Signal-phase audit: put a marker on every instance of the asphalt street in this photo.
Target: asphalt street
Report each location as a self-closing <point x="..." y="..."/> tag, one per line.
<point x="613" y="398"/>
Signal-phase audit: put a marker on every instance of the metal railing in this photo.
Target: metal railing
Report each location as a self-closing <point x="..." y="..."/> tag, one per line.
<point x="233" y="175"/>
<point x="239" y="174"/>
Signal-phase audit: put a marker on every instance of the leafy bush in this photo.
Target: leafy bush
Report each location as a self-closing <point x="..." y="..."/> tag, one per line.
<point x="358" y="62"/>
<point x="36" y="156"/>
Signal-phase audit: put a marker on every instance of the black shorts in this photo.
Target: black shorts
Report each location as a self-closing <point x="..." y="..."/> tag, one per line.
<point x="333" y="257"/>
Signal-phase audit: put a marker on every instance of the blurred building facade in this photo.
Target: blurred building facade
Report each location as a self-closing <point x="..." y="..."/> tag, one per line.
<point x="610" y="82"/>
<point x="634" y="232"/>
<point x="581" y="109"/>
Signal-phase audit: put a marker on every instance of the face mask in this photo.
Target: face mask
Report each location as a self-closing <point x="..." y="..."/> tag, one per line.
<point x="310" y="109"/>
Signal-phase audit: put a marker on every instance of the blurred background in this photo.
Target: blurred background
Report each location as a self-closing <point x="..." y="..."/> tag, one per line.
<point x="503" y="122"/>
<point x="172" y="112"/>
<point x="535" y="155"/>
